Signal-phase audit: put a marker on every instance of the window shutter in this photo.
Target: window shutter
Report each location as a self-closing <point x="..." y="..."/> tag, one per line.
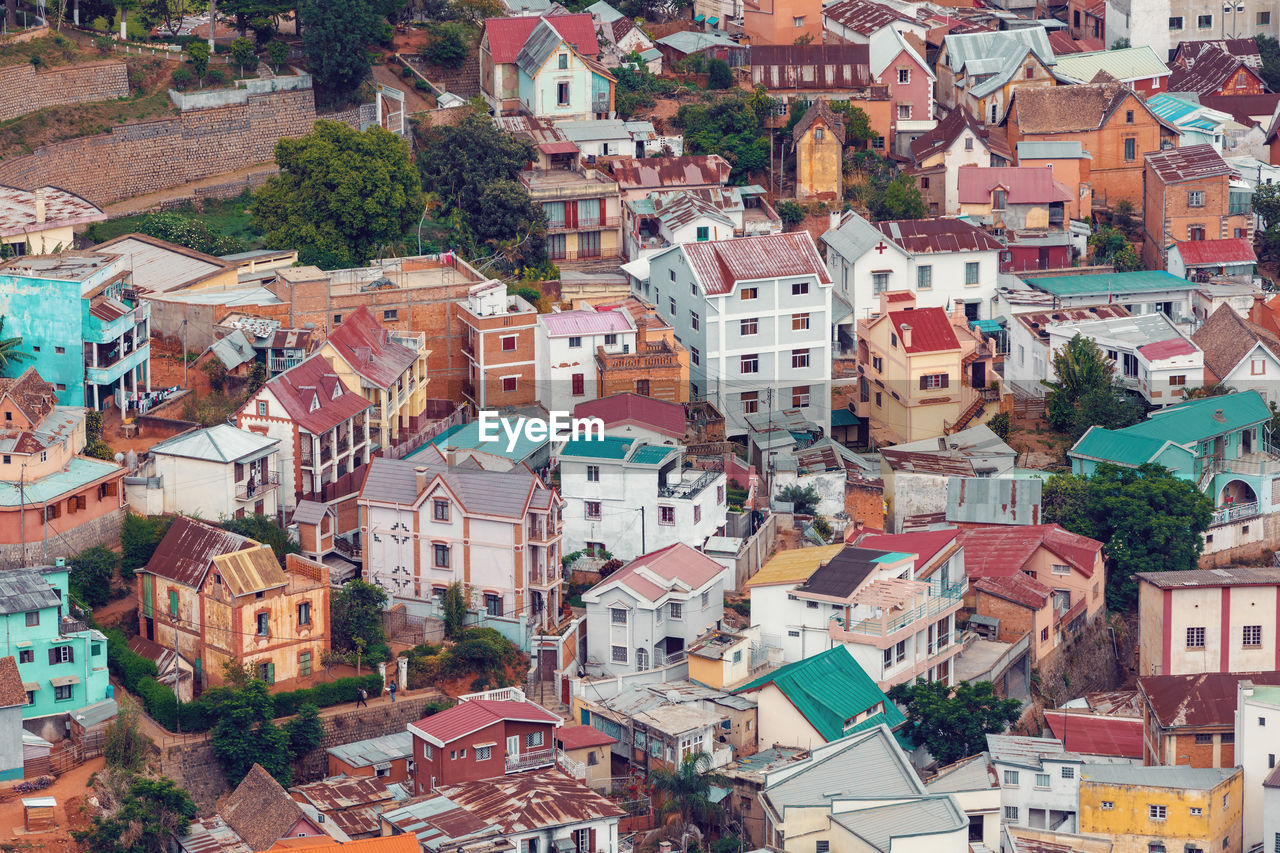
<point x="71" y="654"/>
<point x="924" y="382"/>
<point x="591" y="841"/>
<point x="53" y="656"/>
<point x="946" y="380"/>
<point x="271" y="673"/>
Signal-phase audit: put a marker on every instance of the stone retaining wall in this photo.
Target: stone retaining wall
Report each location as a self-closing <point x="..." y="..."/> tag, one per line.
<point x="23" y="90"/>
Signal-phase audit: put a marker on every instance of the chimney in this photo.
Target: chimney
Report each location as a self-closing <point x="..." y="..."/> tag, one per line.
<point x="40" y="205"/>
<point x="420" y="474"/>
<point x="906" y="335"/>
<point x="1219" y="416"/>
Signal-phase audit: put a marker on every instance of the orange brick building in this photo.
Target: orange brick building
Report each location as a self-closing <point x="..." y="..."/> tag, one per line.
<point x="658" y="368"/>
<point x="1215" y="72"/>
<point x="498" y="345"/>
<point x="1190" y="719"/>
<point x="1189" y="197"/>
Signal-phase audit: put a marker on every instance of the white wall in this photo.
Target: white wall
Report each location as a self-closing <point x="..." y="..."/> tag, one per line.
<point x="780" y="722"/>
<point x="1244" y="378"/>
<point x="1257" y="752"/>
<point x="1062" y="795"/>
<point x="558" y="362"/>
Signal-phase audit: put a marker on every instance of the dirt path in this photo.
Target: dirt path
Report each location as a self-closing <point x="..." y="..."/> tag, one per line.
<point x="388" y="75"/>
<point x="69" y="790"/>
<point x="143" y="203"/>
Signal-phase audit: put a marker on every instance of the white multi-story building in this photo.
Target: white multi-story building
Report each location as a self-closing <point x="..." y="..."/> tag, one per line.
<point x="1258" y="753"/>
<point x="565" y="346"/>
<point x="630" y="497"/>
<point x="218" y="472"/>
<point x="652" y="609"/>
<point x="1039" y="782"/>
<point x="1163" y="24"/>
<point x="755" y="315"/>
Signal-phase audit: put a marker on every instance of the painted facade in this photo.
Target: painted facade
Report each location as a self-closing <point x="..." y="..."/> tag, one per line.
<point x="1138" y="807"/>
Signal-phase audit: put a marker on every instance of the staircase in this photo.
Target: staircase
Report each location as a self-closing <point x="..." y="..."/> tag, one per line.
<point x="974" y="410"/>
<point x="547" y="694"/>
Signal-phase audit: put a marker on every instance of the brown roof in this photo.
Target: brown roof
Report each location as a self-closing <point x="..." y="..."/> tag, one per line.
<point x="368" y="348"/>
<point x="1190" y="163"/>
<point x="1019" y="588"/>
<point x="670" y="172"/>
<point x="187" y="550"/>
<point x="1207" y="699"/>
<point x="1212" y="70"/>
<point x="819" y="111"/>
<point x="863" y="16"/>
<point x="950" y="128"/>
<point x="1063" y="109"/>
<point x="523" y="802"/>
<point x="1247" y="49"/>
<point x="1199" y="578"/>
<point x="1038" y="322"/>
<point x="810" y="66"/>
<point x="924" y="236"/>
<point x="1226" y="337"/>
<point x="11" y="690"/>
<point x="260" y="810"/>
<point x="1246" y="109"/>
<point x="34" y="397"/>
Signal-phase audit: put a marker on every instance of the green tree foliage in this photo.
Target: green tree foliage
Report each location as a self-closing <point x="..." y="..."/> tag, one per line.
<point x="242" y="53"/>
<point x="335" y="37"/>
<point x="857" y="124"/>
<point x="484" y="652"/>
<point x="637" y="87"/>
<point x="340" y="195"/>
<point x="1269" y="49"/>
<point x="199" y="53"/>
<point x="90" y="575"/>
<point x="1147" y="519"/>
<point x="149" y="814"/>
<point x="804" y="499"/>
<point x="11" y="352"/>
<point x="455" y="609"/>
<point x="1266" y="203"/>
<point x="1087" y="391"/>
<point x="999" y="424"/>
<point x="953" y="722"/>
<point x="686" y="790"/>
<point x="305" y="730"/>
<point x="790" y="212"/>
<point x="246" y="734"/>
<point x="1120" y="44"/>
<point x="125" y="746"/>
<point x="731" y="125"/>
<point x="508" y="221"/>
<point x="264" y="529"/>
<point x="139" y="536"/>
<point x="1111" y="247"/>
<point x="277" y="53"/>
<point x="719" y="75"/>
<point x="900" y="199"/>
<point x="185" y="231"/>
<point x="356" y="612"/>
<point x="447" y="46"/>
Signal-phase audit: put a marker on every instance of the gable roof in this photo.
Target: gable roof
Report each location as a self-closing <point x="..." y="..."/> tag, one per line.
<point x="864" y="16"/>
<point x="32" y="396"/>
<point x="628" y="407"/>
<point x="218" y="443"/>
<point x="988" y="59"/>
<point x="1226" y="338"/>
<point x="187" y="550"/>
<point x="475" y="714"/>
<point x="651" y="576"/>
<point x="1118" y="447"/>
<point x="62" y="208"/>
<point x="1205" y="699"/>
<point x="585" y="322"/>
<point x="251" y="570"/>
<point x="925" y="544"/>
<point x="1018" y="588"/>
<point x="1212" y="70"/>
<point x="1190" y="163"/>
<point x="260" y="810"/>
<point x="314" y="396"/>
<point x="538" y="47"/>
<point x="819" y="111"/>
<point x="1022" y="184"/>
<point x="1231" y="250"/>
<point x="1248" y="110"/>
<point x="1197" y="420"/>
<point x="158" y="266"/>
<point x="1187" y="52"/>
<point x="793" y="565"/>
<point x="928" y="236"/>
<point x="865" y="765"/>
<point x="368" y="348"/>
<point x="720" y="264"/>
<point x="670" y="172"/>
<point x="26" y="589"/>
<point x="948" y="131"/>
<point x="1064" y="109"/>
<point x="507" y="36"/>
<point x="830" y="689"/>
<point x="931" y="330"/>
<point x="11" y="690"/>
<point x="506" y="494"/>
<point x="1002" y="551"/>
<point x="523" y="802"/>
<point x="1094" y="734"/>
<point x="1125" y="64"/>
<point x="841" y="576"/>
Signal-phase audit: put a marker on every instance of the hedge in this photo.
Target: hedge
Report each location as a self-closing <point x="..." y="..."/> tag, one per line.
<point x="138" y="675"/>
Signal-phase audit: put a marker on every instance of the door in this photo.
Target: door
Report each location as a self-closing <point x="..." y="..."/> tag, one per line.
<point x="513" y="746"/>
<point x="979" y="374"/>
<point x="642" y="659"/>
<point x="1246" y="442"/>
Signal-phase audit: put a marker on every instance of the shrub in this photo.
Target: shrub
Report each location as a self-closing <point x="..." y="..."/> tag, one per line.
<point x="183" y="77"/>
<point x="719" y="76"/>
<point x="790" y="212"/>
<point x="421" y="85"/>
<point x="102" y="43"/>
<point x="406" y="73"/>
<point x="216" y="77"/>
<point x="999" y="424"/>
<point x="447" y="47"/>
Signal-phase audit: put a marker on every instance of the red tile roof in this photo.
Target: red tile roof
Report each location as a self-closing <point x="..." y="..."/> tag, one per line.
<point x="1092" y="734"/>
<point x="629" y="408"/>
<point x="507" y="35"/>
<point x="1018" y="588"/>
<point x="365" y="345"/>
<point x="580" y="737"/>
<point x="676" y="563"/>
<point x="931" y="330"/>
<point x="1001" y="551"/>
<point x="863" y="16"/>
<point x="314" y="396"/>
<point x="475" y="714"/>
<point x="1168" y="349"/>
<point x="1023" y="184"/>
<point x="920" y="236"/>
<point x="719" y="264"/>
<point x="925" y="545"/>
<point x="1233" y="250"/>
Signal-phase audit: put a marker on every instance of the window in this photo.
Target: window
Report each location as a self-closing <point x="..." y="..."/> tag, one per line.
<point x="578" y="384"/>
<point x="619" y="654"/>
<point x="706" y="598"/>
<point x="998" y="199"/>
<point x="800" y="397"/>
<point x="1195" y="198"/>
<point x="493" y="604"/>
<point x="697" y="514"/>
<point x="1196" y="811"/>
<point x="1195" y="232"/>
<point x="304" y="613"/>
<point x="1252" y="635"/>
<point x="390" y="314"/>
<point x="1030" y="72"/>
<point x="440" y="510"/>
<point x="1068" y="773"/>
<point x="1157" y="812"/>
<point x="995" y="113"/>
<point x="1059" y="569"/>
<point x="562" y="94"/>
<point x="1108" y="805"/>
<point x="1011" y="777"/>
<point x="62" y="693"/>
<point x="1175" y="23"/>
<point x="720" y="495"/>
<point x="704" y="233"/>
<point x="822" y="847"/>
<point x="1202" y="739"/>
<point x="1264" y="19"/>
<point x="971" y="272"/>
<point x="1195" y="638"/>
<point x="26" y="656"/>
<point x="799" y="322"/>
<point x="1156" y="847"/>
<point x="1178" y="380"/>
<point x="747" y="294"/>
<point x="878" y="404"/>
<point x="817" y="134"/>
<point x="878" y="363"/>
<point x="575" y="342"/>
<point x="666" y="515"/>
<point x="677" y="610"/>
<point x="262" y="407"/>
<point x="924" y="277"/>
<point x="1128" y="117"/>
<point x="904" y="112"/>
<point x="264" y="624"/>
<point x="693" y="320"/>
<point x="904" y="75"/>
<point x="1204" y="22"/>
<point x="533" y="739"/>
<point x="799" y="358"/>
<point x="591" y="509"/>
<point x="441" y="556"/>
<point x="1044" y="635"/>
<point x="1130" y="149"/>
<point x="750" y="402"/>
<point x="33" y="618"/>
<point x="695" y="356"/>
<point x="508" y="384"/>
<point x="933" y="381"/>
<point x="1011" y="813"/>
<point x="1226" y="800"/>
<point x="304" y="663"/>
<point x="749" y="364"/>
<point x="610" y="340"/>
<point x="337" y="318"/>
<point x="1042" y="780"/>
<point x="593" y="473"/>
<point x="508" y="343"/>
<point x="968" y="143"/>
<point x="564" y="60"/>
<point x="484" y="753"/>
<point x="798" y="21"/>
<point x="924" y="183"/>
<point x="617" y="615"/>
<point x="750" y="326"/>
<point x="800" y="288"/>
<point x="671" y="302"/>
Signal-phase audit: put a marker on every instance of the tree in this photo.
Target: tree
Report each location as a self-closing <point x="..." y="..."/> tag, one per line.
<point x="1087" y="391"/>
<point x="356" y="612"/>
<point x="805" y="500"/>
<point x="11" y="353"/>
<point x="264" y="529"/>
<point x="90" y="574"/>
<point x="458" y="161"/>
<point x="1147" y="519"/>
<point x="999" y="424"/>
<point x="199" y="52"/>
<point x="900" y="199"/>
<point x="242" y="53"/>
<point x="732" y="125"/>
<point x="277" y="53"/>
<point x="686" y="790"/>
<point x="455" y="609"/>
<point x="790" y="212"/>
<point x="246" y="734"/>
<point x="507" y="219"/>
<point x="340" y="195"/>
<point x="151" y="812"/>
<point x="719" y="75"/>
<point x="953" y="722"/>
<point x="305" y="730"/>
<point x="1269" y="50"/>
<point x="139" y="537"/>
<point x="335" y="39"/>
<point x="1111" y="247"/>
<point x="447" y="46"/>
<point x="124" y="745"/>
<point x="1120" y="44"/>
<point x="857" y="124"/>
<point x="167" y="12"/>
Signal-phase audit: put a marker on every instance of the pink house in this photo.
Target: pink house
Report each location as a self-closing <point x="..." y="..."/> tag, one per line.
<point x="897" y="64"/>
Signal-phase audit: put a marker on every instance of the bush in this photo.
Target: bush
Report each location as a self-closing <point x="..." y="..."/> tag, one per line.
<point x="217" y="77"/>
<point x="406" y="73"/>
<point x="421" y="85"/>
<point x="790" y="212"/>
<point x="999" y="424"/>
<point x="719" y="76"/>
<point x="90" y="574"/>
<point x="102" y="43"/>
<point x="448" y="46"/>
<point x="183" y="77"/>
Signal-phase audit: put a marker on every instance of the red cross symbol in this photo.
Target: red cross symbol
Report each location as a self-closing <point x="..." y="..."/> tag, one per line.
<point x="880" y="248"/>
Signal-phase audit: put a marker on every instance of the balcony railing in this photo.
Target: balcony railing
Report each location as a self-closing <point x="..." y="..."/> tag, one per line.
<point x="559" y="226"/>
<point x="1235" y="512"/>
<point x="72" y="626"/>
<point x="248" y="491"/>
<point x="530" y="760"/>
<point x="688" y="490"/>
<point x="939" y="600"/>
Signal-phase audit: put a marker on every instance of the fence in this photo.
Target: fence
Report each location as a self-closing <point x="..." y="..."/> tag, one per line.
<point x="403" y="627"/>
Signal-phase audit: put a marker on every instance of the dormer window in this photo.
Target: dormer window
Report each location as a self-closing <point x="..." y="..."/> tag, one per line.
<point x="337" y="391"/>
<point x="315" y="402"/>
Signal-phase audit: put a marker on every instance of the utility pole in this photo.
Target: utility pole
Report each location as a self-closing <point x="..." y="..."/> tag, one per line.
<point x="177" y="678"/>
<point x="184" y="353"/>
<point x="22" y="504"/>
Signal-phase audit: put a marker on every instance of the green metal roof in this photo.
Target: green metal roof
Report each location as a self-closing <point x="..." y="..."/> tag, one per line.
<point x="1142" y="281"/>
<point x="1130" y="63"/>
<point x="1196" y="420"/>
<point x="609" y="447"/>
<point x="1117" y="446"/>
<point x="651" y="454"/>
<point x="843" y="417"/>
<point x="892" y="557"/>
<point x="828" y="689"/>
<point x="467" y="437"/>
<point x="990" y="326"/>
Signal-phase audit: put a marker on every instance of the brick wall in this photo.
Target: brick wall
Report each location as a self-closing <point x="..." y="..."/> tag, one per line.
<point x="22" y="90"/>
<point x="103" y="530"/>
<point x="144" y="157"/>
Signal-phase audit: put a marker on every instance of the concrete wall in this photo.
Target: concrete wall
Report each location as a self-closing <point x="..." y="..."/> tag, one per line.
<point x="22" y="90"/>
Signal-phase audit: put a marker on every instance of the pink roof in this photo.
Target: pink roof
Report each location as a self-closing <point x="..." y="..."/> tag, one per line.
<point x="582" y="322"/>
<point x="1091" y="734"/>
<point x="1023" y="184"/>
<point x="676" y="562"/>
<point x="926" y="544"/>
<point x="1233" y="250"/>
<point x="475" y="714"/>
<point x="659" y="415"/>
<point x="1018" y="588"/>
<point x="314" y="385"/>
<point x="1000" y="551"/>
<point x="580" y="737"/>
<point x="1168" y="349"/>
<point x="931" y="330"/>
<point x="719" y="264"/>
<point x="507" y="35"/>
<point x="365" y="345"/>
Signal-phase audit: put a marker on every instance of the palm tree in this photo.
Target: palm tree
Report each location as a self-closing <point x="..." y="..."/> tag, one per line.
<point x="10" y="354"/>
<point x="686" y="790"/>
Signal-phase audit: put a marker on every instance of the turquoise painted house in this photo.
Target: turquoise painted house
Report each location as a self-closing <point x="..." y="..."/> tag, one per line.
<point x="557" y="82"/>
<point x="82" y="322"/>
<point x="62" y="662"/>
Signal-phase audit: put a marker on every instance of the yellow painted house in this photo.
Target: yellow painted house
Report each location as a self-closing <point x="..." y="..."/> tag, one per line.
<point x="720" y="659"/>
<point x="389" y="369"/>
<point x="1172" y="809"/>
<point x="819" y="141"/>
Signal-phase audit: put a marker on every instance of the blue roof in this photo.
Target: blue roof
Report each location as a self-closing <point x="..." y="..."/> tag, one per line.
<point x="1196" y="420"/>
<point x="80" y="472"/>
<point x="467" y="437"/>
<point x="651" y="454"/>
<point x="610" y="447"/>
<point x="1143" y="281"/>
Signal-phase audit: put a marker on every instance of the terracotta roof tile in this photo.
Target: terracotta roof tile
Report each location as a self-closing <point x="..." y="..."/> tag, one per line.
<point x="1226" y="337"/>
<point x="314" y="396"/>
<point x="34" y="397"/>
<point x="931" y="330"/>
<point x="11" y="690"/>
<point x="1018" y="588"/>
<point x="260" y="810"/>
<point x="1061" y="109"/>
<point x="819" y="111"/>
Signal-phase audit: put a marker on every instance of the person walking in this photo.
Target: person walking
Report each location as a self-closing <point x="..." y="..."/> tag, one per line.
<point x="361" y="697"/>
<point x="391" y="688"/>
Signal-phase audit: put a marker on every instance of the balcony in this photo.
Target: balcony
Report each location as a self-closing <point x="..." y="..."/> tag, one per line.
<point x="119" y="363"/>
<point x="305" y="460"/>
<point x="541" y="531"/>
<point x="648" y="357"/>
<point x="251" y="491"/>
<point x="938" y="602"/>
<point x="561" y="227"/>
<point x="533" y="760"/>
<point x="277" y="364"/>
<point x="686" y="489"/>
<point x="545" y="184"/>
<point x="326" y="454"/>
<point x="71" y="626"/>
<point x="1236" y="512"/>
<point x="344" y="444"/>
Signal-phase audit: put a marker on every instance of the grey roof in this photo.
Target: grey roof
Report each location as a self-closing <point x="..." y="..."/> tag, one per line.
<point x="364" y="753"/>
<point x="22" y="590"/>
<point x="692" y="42"/>
<point x="588" y="130"/>
<point x="219" y="443"/>
<point x="233" y="350"/>
<point x="99" y="712"/>
<point x="1027" y="751"/>
<point x="604" y="11"/>
<point x="988" y="500"/>
<point x="1174" y="776"/>
<point x="998" y="53"/>
<point x="853" y="238"/>
<point x="879" y="826"/>
<point x="1135" y="331"/>
<point x="867" y="765"/>
<point x="309" y="512"/>
<point x="542" y="42"/>
<point x="1035" y="149"/>
<point x="968" y="774"/>
<point x="501" y="493"/>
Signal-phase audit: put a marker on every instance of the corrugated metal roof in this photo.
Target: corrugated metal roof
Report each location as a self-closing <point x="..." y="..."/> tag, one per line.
<point x="691" y="42"/>
<point x="924" y="330"/>
<point x="986" y="500"/>
<point x="1142" y="281"/>
<point x="338" y="793"/>
<point x="475" y="714"/>
<point x="249" y="571"/>
<point x="364" y="344"/>
<point x="233" y="350"/>
<point x="609" y="447"/>
<point x="26" y="589"/>
<point x="501" y="493"/>
<point x="998" y="550"/>
<point x="314" y="396"/>
<point x="929" y="236"/>
<point x="1197" y="420"/>
<point x="61" y="209"/>
<point x="506" y="36"/>
<point x="583" y="322"/>
<point x="1117" y="446"/>
<point x="1173" y="776"/>
<point x="1023" y="184"/>
<point x="793" y="566"/>
<point x="659" y="415"/>
<point x="720" y="264"/>
<point x="810" y="66"/>
<point x="862" y="766"/>
<point x="1232" y="576"/>
<point x="974" y="773"/>
<point x="363" y="753"/>
<point x="1035" y="149"/>
<point x="435" y="821"/>
<point x="998" y="53"/>
<point x="880" y="825"/>
<point x="1212" y="70"/>
<point x="1125" y="64"/>
<point x="1191" y="163"/>
<point x="524" y="802"/>
<point x="1232" y="250"/>
<point x="162" y="267"/>
<point x="1206" y="699"/>
<point x="187" y="550"/>
<point x="1092" y="734"/>
<point x="212" y="835"/>
<point x="670" y="173"/>
<point x="1027" y="751"/>
<point x="219" y="443"/>
<point x="676" y="564"/>
<point x="864" y="16"/>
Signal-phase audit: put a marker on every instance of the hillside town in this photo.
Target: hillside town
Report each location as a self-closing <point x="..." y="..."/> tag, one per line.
<point x="640" y="426"/>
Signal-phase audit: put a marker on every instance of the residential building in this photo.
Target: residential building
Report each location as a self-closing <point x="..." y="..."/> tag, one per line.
<point x="1097" y="736"/>
<point x="216" y="596"/>
<point x="1257" y="715"/>
<point x="42" y="221"/>
<point x="497" y="532"/>
<point x="1039" y="782"/>
<point x="755" y="314"/>
<point x="1191" y="194"/>
<point x="566" y="344"/>
<point x="1217" y="72"/>
<point x="389" y="369"/>
<point x="61" y="661"/>
<point x="1071" y="165"/>
<point x="1086" y="20"/>
<point x="1164" y="24"/>
<point x="49" y="491"/>
<point x="1239" y="353"/>
<point x="519" y="74"/>
<point x="980" y="71"/>
<point x="1037" y="579"/>
<point x="1108" y="119"/>
<point x="13" y="698"/>
<point x="384" y="758"/>
<point x="499" y="333"/>
<point x="463" y="442"/>
<point x="637" y="178"/>
<point x="710" y="44"/>
<point x="973" y="784"/>
<point x="819" y="700"/>
<point x="653" y="608"/>
<point x="1142" y="808"/>
<point x="218" y="472"/>
<point x="747" y="775"/>
<point x="830" y="800"/>
<point x="897" y="64"/>
<point x="589" y="747"/>
<point x="1195" y="123"/>
<point x="663" y="219"/>
<point x="160" y="267"/>
<point x="1271" y="807"/>
<point x="609" y="485"/>
<point x="1140" y="67"/>
<point x="323" y="430"/>
<point x="657" y="369"/>
<point x="833" y="72"/>
<point x="485" y="735"/>
<point x="646" y="419"/>
<point x="1030" y="359"/>
<point x="351" y="803"/>
<point x="782" y="21"/>
<point x="922" y="372"/>
<point x="721" y="659"/>
<point x="818" y="140"/>
<point x="259" y="812"/>
<point x="865" y="21"/>
<point x="1027" y="208"/>
<point x="1141" y="292"/>
<point x="83" y="325"/>
<point x="958" y="140"/>
<point x="1231" y="258"/>
<point x="917" y="475"/>
<point x="1189" y="720"/>
<point x="1214" y="621"/>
